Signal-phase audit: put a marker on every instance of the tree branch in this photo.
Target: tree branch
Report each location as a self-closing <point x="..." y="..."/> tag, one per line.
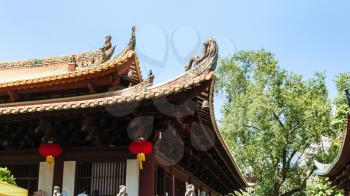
<point x="300" y="188"/>
<point x="291" y="192"/>
<point x="250" y="126"/>
<point x="278" y="120"/>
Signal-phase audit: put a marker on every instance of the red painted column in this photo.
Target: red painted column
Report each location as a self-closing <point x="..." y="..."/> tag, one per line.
<point x="147" y="178"/>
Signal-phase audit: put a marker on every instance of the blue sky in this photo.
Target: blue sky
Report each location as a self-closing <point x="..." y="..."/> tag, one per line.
<point x="306" y="36"/>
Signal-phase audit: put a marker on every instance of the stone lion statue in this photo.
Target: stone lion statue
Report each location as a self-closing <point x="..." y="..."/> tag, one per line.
<point x="56" y="191"/>
<point x="122" y="191"/>
<point x="190" y="190"/>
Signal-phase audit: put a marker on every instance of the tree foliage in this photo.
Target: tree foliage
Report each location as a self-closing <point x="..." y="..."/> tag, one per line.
<point x="342" y="83"/>
<point x="6" y="176"/>
<point x="322" y="187"/>
<point x="273" y="121"/>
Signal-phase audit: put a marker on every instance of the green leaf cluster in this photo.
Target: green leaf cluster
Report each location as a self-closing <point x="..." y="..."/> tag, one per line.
<point x="273" y="121"/>
<point x="6" y="176"/>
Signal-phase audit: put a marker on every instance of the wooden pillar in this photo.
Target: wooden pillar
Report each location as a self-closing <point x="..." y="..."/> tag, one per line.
<point x="58" y="172"/>
<point x="171" y="181"/>
<point x="147" y="178"/>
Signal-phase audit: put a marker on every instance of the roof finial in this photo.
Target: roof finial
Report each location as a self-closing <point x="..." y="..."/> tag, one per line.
<point x="107" y="49"/>
<point x="132" y="41"/>
<point x="73" y="59"/>
<point x="108" y="43"/>
<point x="72" y="66"/>
<point x="150" y="77"/>
<point x="209" y="49"/>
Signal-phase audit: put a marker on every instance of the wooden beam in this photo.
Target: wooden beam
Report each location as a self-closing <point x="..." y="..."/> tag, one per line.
<point x="13" y="96"/>
<point x="115" y="83"/>
<point x="91" y="87"/>
<point x="204" y="157"/>
<point x="214" y="169"/>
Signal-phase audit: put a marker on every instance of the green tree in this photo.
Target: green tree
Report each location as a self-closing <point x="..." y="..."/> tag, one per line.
<point x="321" y="186"/>
<point x="273" y="121"/>
<point x="342" y="83"/>
<point x="6" y="176"/>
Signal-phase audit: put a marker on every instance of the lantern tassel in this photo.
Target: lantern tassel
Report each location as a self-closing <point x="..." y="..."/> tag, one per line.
<point x="50" y="159"/>
<point x="142" y="158"/>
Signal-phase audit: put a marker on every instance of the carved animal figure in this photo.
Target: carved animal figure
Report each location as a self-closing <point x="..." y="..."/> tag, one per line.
<point x="190" y="190"/>
<point x="56" y="191"/>
<point x="208" y="47"/>
<point x="108" y="43"/>
<point x="122" y="191"/>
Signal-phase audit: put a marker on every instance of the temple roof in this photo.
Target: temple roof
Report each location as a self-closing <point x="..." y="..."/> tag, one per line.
<point x="58" y="70"/>
<point x="201" y="74"/>
<point x="144" y="90"/>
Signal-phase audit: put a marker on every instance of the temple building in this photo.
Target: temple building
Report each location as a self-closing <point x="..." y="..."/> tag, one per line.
<point x="91" y="123"/>
<point x="338" y="172"/>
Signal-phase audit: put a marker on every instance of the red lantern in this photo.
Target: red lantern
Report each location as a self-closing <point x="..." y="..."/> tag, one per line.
<point x="141" y="147"/>
<point x="50" y="150"/>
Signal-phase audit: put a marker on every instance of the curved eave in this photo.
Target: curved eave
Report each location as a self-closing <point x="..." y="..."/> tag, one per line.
<point x="343" y="157"/>
<point x="139" y="92"/>
<point x="234" y="167"/>
<point x="322" y="169"/>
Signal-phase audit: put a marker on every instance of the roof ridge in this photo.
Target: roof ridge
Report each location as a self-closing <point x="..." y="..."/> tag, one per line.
<point x="103" y="52"/>
<point x="67" y="75"/>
